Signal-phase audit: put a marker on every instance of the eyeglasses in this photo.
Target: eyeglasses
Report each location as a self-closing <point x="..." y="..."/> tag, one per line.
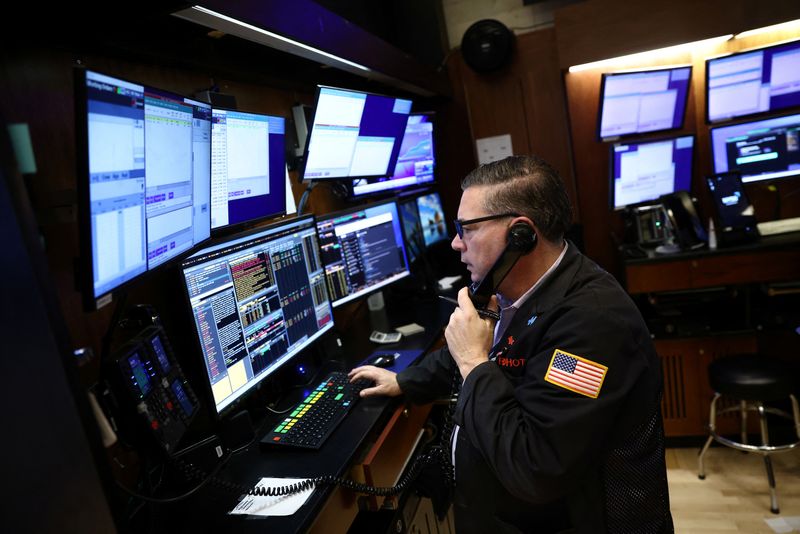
<point x="460" y="224"/>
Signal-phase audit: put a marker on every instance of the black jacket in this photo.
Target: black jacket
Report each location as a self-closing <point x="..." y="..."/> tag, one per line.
<point x="534" y="456"/>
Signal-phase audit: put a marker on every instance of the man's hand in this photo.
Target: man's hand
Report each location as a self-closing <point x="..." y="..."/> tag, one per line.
<point x="469" y="337"/>
<point x="385" y="381"/>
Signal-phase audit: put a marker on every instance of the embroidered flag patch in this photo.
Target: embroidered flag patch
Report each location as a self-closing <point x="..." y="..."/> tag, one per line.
<point x="575" y="373"/>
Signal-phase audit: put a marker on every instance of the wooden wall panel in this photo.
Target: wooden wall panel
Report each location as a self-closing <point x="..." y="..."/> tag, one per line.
<point x="524" y="99"/>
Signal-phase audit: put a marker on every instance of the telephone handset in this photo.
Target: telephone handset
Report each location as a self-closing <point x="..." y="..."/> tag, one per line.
<point x="521" y="241"/>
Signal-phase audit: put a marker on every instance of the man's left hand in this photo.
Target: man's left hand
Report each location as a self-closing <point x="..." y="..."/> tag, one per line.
<point x="469" y="337"/>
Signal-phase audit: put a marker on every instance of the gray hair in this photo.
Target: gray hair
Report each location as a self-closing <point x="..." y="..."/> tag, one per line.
<point x="529" y="186"/>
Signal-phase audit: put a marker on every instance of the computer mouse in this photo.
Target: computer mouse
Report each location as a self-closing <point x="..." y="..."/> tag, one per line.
<point x="382" y="360"/>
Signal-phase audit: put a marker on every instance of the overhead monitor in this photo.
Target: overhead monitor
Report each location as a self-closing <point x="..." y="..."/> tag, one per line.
<point x="248" y="168"/>
<point x="415" y="163"/>
<point x="144" y="163"/>
<point x="756" y="81"/>
<point x="764" y="149"/>
<point x="354" y="134"/>
<point x="362" y="250"/>
<point x="423" y="222"/>
<point x="257" y="300"/>
<point x="642" y="101"/>
<point x="643" y="171"/>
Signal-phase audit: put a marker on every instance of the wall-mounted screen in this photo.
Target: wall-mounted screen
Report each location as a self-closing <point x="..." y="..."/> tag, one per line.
<point x="643" y="171"/>
<point x="257" y="300"/>
<point x="423" y="222"/>
<point x="354" y="134"/>
<point x="362" y="250"/>
<point x="756" y="81"/>
<point x="144" y="163"/>
<point x="642" y="101"/>
<point x="763" y="149"/>
<point x="415" y="162"/>
<point x="248" y="168"/>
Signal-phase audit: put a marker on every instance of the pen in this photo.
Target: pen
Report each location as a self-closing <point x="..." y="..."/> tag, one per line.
<point x="486" y="314"/>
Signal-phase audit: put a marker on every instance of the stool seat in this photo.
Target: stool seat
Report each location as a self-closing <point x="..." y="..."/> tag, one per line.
<point x="751" y="377"/>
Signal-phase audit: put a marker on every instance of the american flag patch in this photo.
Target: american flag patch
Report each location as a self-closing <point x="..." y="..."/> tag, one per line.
<point x="575" y="373"/>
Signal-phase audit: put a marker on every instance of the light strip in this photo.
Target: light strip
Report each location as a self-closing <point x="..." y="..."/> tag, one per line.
<point x="231" y="25"/>
<point x="774" y="28"/>
<point x="650" y="54"/>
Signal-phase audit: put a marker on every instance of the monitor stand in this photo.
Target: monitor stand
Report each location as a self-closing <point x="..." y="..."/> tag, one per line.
<point x="378" y="318"/>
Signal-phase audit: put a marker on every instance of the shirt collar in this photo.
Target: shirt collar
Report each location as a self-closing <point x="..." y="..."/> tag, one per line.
<point x="505" y="303"/>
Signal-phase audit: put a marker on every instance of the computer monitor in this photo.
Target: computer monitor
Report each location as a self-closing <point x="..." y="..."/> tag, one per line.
<point x="144" y="163"/>
<point x="415" y="163"/>
<point x="257" y="300"/>
<point x="354" y="134"/>
<point x="362" y="250"/>
<point x="756" y="81"/>
<point x="642" y="171"/>
<point x="248" y="167"/>
<point x="423" y="222"/>
<point x="764" y="149"/>
<point x="642" y="101"/>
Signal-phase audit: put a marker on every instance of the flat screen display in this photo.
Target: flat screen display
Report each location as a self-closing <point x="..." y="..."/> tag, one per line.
<point x="248" y="168"/>
<point x="643" y="101"/>
<point x="415" y="163"/>
<point x="756" y="81"/>
<point x="354" y="134"/>
<point x="643" y="171"/>
<point x="362" y="250"/>
<point x="423" y="222"/>
<point x="144" y="164"/>
<point x="257" y="300"/>
<point x="764" y="149"/>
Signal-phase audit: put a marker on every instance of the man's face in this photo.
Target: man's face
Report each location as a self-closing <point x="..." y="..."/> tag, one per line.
<point x="482" y="242"/>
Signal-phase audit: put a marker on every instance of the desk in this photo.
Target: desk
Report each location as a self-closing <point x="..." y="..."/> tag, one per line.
<point x="371" y="445"/>
<point x="685" y="360"/>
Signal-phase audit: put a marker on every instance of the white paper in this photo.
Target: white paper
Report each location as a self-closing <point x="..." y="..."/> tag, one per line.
<point x="448" y="281"/>
<point x="273" y="506"/>
<point x="494" y="148"/>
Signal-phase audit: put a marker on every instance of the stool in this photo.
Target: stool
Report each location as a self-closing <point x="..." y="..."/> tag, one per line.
<point x="753" y="380"/>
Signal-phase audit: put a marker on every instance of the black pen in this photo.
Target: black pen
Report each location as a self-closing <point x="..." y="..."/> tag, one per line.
<point x="486" y="314"/>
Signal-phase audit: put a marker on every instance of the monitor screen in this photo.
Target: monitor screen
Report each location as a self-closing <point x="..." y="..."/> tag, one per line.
<point x="144" y="162"/>
<point x="643" y="171"/>
<point x="354" y="134"/>
<point x="257" y="301"/>
<point x="362" y="250"/>
<point x="248" y="168"/>
<point x="758" y="81"/>
<point x="764" y="149"/>
<point x="415" y="162"/>
<point x="643" y="101"/>
<point x="423" y="222"/>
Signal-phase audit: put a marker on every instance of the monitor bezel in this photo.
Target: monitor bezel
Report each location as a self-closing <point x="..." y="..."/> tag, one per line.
<point x="654" y="200"/>
<point x="365" y="293"/>
<point x="302" y="170"/>
<point x="85" y="265"/>
<point x="229" y="229"/>
<point x="736" y="118"/>
<point x="663" y="131"/>
<point x="749" y="120"/>
<point x="252" y="388"/>
<point x="407" y="188"/>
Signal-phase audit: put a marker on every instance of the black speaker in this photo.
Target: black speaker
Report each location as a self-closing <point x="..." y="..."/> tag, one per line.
<point x="487" y="45"/>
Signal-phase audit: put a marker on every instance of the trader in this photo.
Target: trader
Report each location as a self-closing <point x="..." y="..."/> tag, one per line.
<point x="558" y="421"/>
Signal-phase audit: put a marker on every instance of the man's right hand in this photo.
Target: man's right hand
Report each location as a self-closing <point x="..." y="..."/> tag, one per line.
<point x="384" y="381"/>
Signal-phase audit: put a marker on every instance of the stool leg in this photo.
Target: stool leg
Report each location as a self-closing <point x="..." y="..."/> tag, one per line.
<point x="796" y="412"/>
<point x="773" y="494"/>
<point x="743" y="420"/>
<point x="712" y="426"/>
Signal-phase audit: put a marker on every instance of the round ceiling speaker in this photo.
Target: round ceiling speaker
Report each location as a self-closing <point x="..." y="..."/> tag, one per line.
<point x="487" y="45"/>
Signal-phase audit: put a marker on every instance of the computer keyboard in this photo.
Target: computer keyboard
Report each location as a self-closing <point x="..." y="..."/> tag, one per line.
<point x="311" y="422"/>
<point x="781" y="226"/>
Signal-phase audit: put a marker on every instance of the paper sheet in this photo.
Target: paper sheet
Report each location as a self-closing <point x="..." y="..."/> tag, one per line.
<point x="273" y="506"/>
